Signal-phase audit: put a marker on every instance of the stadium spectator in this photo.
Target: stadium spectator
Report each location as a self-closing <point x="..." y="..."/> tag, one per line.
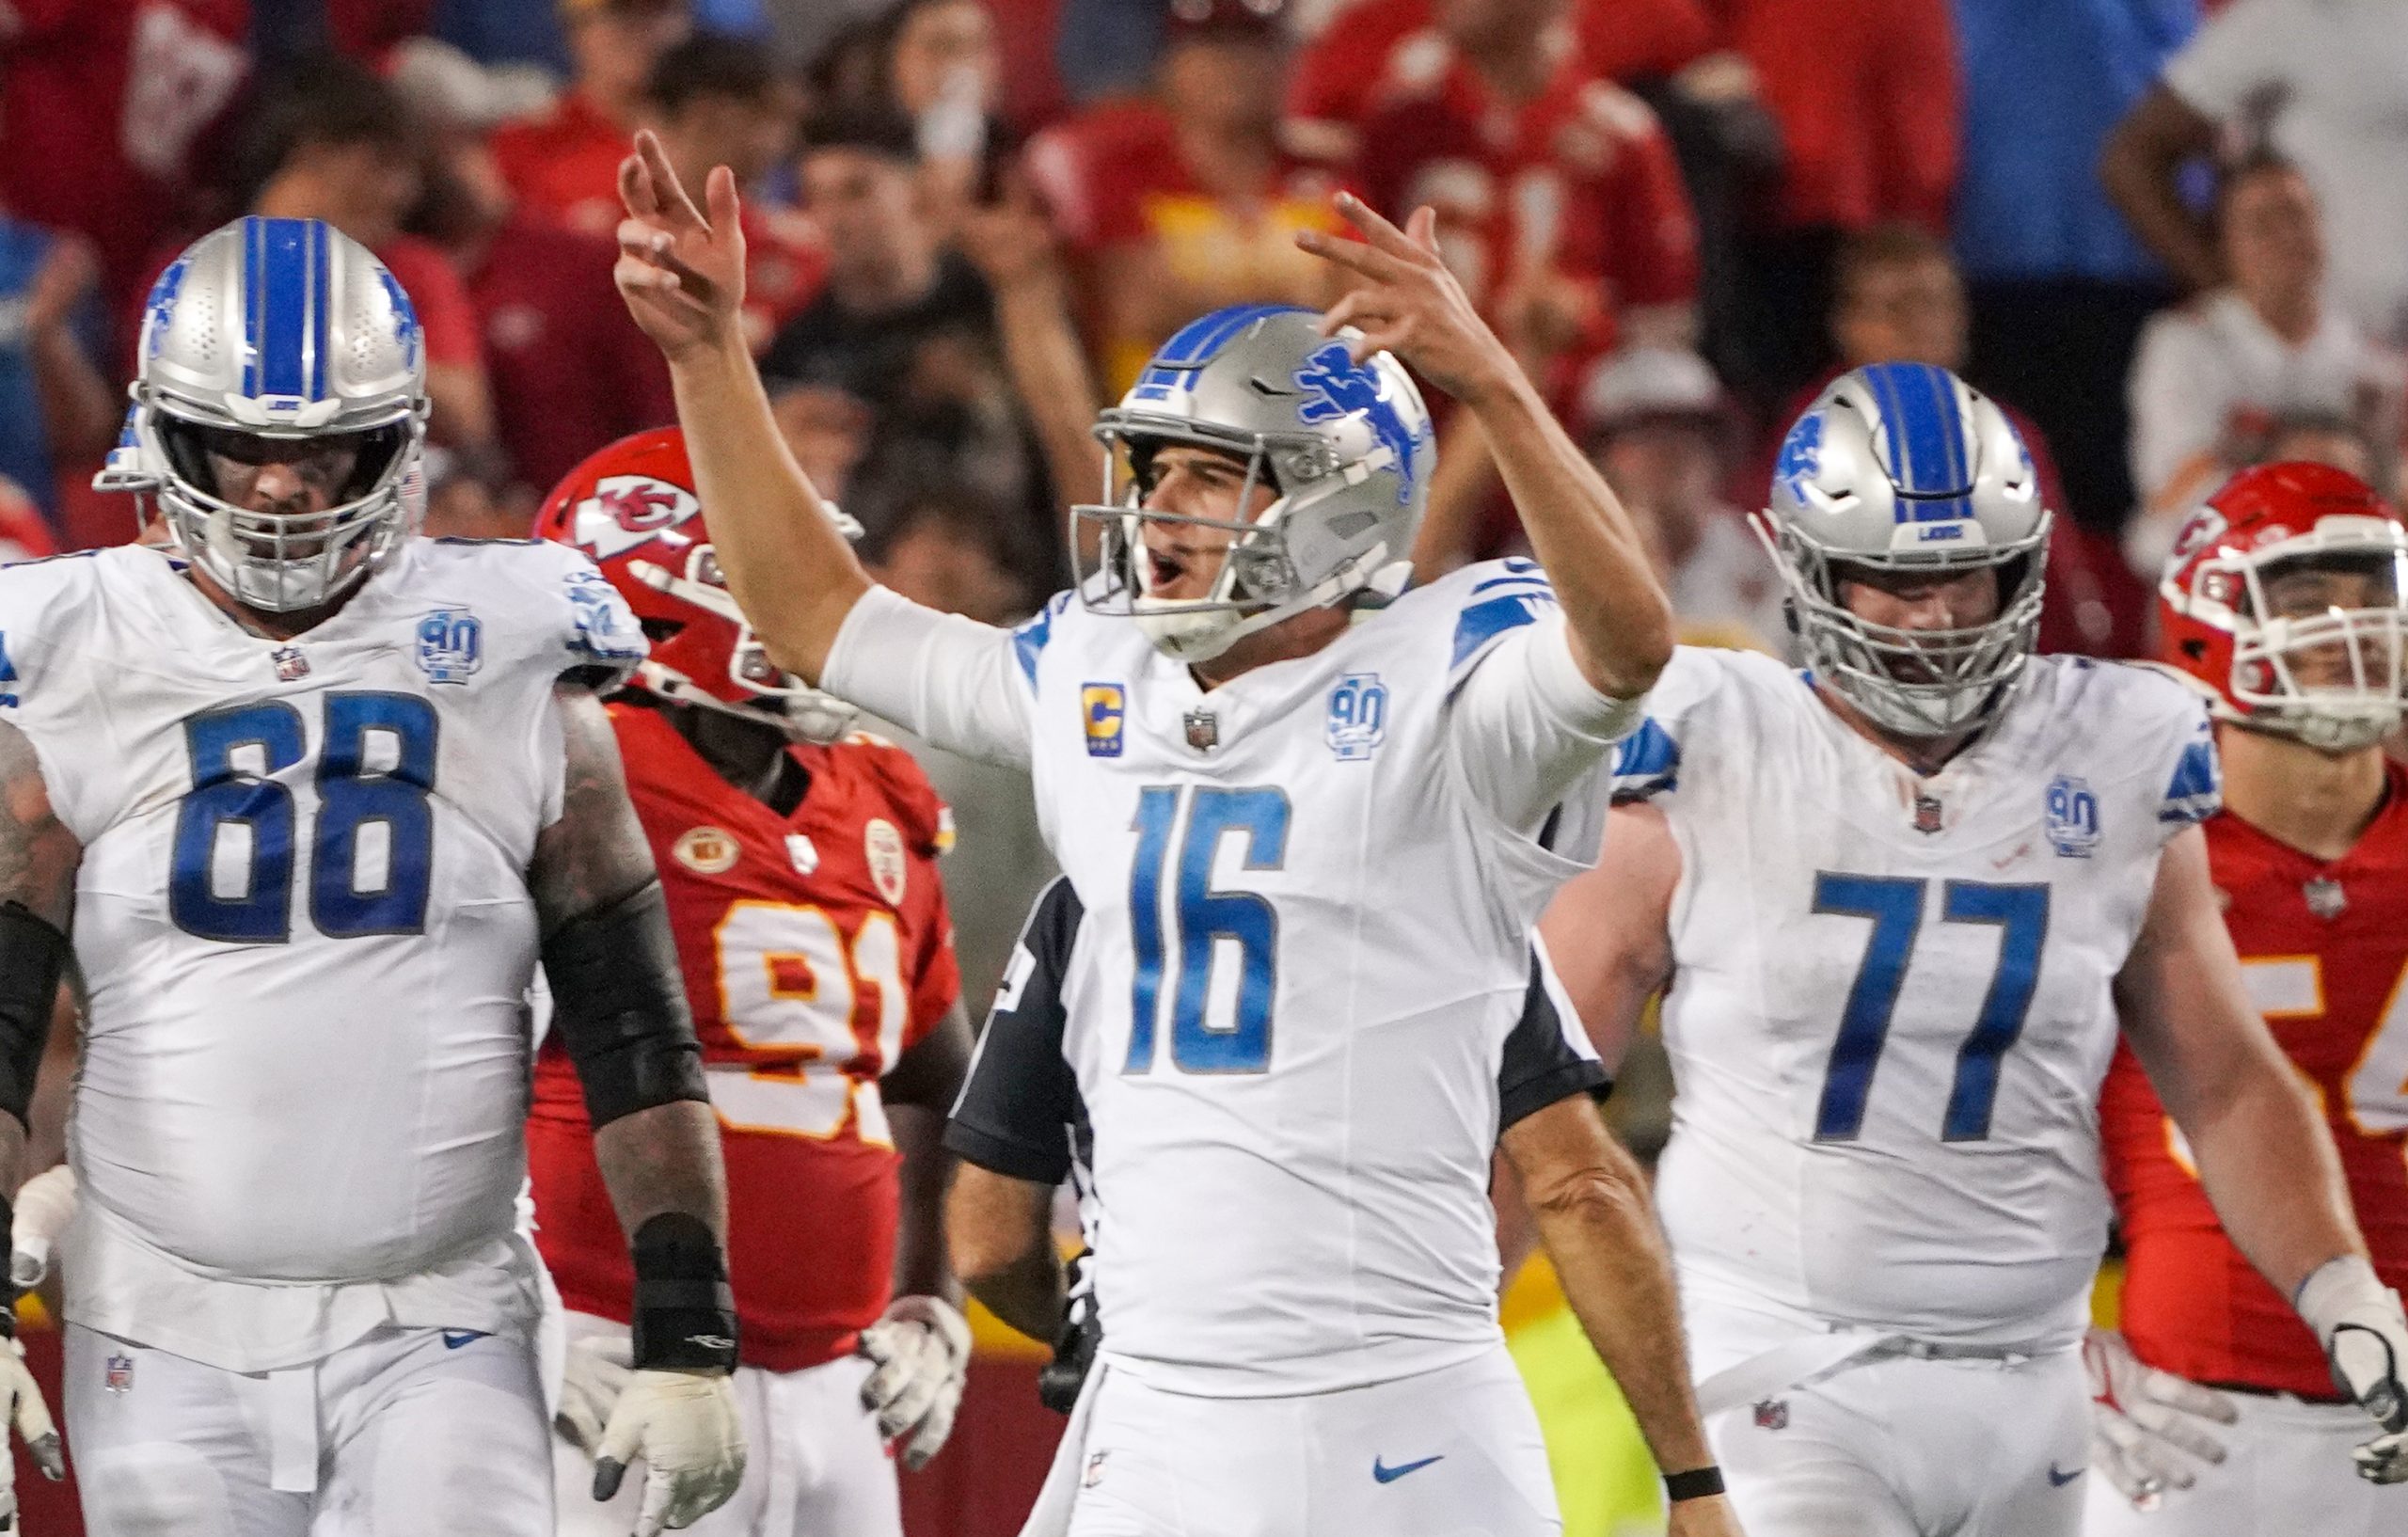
<point x="1659" y="427"/>
<point x="1899" y="300"/>
<point x="564" y="165"/>
<point x="905" y="328"/>
<point x="2211" y="376"/>
<point x="569" y="370"/>
<point x="1553" y="187"/>
<point x="330" y="140"/>
<point x="56" y="410"/>
<point x="2058" y="285"/>
<point x="718" y="100"/>
<point x="104" y="102"/>
<point x="1185" y="201"/>
<point x="2324" y="84"/>
<point x="952" y="551"/>
<point x="945" y="71"/>
<point x="1865" y="96"/>
<point x="1337" y="83"/>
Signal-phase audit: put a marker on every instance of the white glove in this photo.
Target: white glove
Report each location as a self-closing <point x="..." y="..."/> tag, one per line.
<point x="2365" y="1337"/>
<point x="921" y="1348"/>
<point x="2148" y="1429"/>
<point x="684" y="1425"/>
<point x="46" y="1204"/>
<point x="31" y="1417"/>
<point x="594" y="1376"/>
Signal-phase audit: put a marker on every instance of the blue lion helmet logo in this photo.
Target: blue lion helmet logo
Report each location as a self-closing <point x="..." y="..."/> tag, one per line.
<point x="1801" y="455"/>
<point x="1337" y="386"/>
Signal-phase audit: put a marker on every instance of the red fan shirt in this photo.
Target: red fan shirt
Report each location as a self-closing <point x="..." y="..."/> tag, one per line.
<point x="2327" y="960"/>
<point x="1581" y="179"/>
<point x="818" y="950"/>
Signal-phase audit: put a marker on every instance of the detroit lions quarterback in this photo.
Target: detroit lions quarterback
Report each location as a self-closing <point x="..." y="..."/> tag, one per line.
<point x="1302" y="815"/>
<point x="1902" y="901"/>
<point x="313" y="794"/>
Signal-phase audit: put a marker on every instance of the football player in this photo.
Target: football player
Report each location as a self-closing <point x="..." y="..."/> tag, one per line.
<point x="1020" y="1129"/>
<point x="1902" y="901"/>
<point x="800" y="862"/>
<point x="1303" y="814"/>
<point x="315" y="795"/>
<point x="2286" y="602"/>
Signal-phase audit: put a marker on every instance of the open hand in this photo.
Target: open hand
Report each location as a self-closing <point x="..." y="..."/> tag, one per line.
<point x="1407" y="303"/>
<point x="682" y="275"/>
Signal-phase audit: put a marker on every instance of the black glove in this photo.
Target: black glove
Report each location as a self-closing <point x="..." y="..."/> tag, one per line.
<point x="1075" y="1348"/>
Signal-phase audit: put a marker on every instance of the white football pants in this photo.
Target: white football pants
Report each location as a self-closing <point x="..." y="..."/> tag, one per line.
<point x="1450" y="1453"/>
<point x="431" y="1431"/>
<point x="1902" y="1447"/>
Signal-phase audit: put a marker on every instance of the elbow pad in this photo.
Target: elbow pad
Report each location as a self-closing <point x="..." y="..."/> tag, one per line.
<point x="619" y="1005"/>
<point x="34" y="956"/>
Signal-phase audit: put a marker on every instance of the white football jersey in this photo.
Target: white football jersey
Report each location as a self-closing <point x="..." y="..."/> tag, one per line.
<point x="303" y="920"/>
<point x="1308" y="943"/>
<point x="1891" y="1005"/>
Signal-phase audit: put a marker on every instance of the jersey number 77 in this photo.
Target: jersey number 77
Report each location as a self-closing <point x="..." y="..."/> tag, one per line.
<point x="1895" y="906"/>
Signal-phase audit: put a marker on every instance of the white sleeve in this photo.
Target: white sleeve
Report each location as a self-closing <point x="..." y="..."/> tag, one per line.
<point x="953" y="681"/>
<point x="2241" y="52"/>
<point x="1526" y="725"/>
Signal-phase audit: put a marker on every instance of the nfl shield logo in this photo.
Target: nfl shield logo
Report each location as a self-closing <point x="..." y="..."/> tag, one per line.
<point x="291" y="666"/>
<point x="1927" y="809"/>
<point x="2325" y="897"/>
<point x="117" y="1377"/>
<point x="1203" y="729"/>
<point x="1772" y="1414"/>
<point x="450" y="645"/>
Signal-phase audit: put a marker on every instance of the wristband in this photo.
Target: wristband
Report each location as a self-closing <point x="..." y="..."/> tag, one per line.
<point x="1696" y="1484"/>
<point x="685" y="1311"/>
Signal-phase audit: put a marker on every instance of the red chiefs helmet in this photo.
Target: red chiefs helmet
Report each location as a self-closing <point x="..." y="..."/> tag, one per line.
<point x="2287" y="595"/>
<point x="632" y="509"/>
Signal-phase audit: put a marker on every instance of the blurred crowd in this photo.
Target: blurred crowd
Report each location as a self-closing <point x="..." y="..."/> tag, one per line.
<point x="2171" y="236"/>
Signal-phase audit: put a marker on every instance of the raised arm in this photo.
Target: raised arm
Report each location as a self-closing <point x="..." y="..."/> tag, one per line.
<point x="1408" y="303"/>
<point x="2262" y="1149"/>
<point x="618" y="1006"/>
<point x="682" y="276"/>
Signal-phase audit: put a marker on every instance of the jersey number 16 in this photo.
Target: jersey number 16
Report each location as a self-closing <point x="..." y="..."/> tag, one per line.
<point x="1201" y="921"/>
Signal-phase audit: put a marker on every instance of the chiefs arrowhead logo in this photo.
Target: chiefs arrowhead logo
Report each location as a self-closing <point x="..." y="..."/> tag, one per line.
<point x="626" y="510"/>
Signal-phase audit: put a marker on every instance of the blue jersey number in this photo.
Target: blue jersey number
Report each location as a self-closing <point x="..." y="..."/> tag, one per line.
<point x="1895" y="905"/>
<point x="358" y="806"/>
<point x="1201" y="918"/>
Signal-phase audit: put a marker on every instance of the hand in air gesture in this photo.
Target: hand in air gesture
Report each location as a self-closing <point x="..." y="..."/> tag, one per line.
<point x="682" y="275"/>
<point x="1406" y="302"/>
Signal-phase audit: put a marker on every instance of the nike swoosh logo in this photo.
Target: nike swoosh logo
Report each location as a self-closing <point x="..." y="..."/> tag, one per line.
<point x="2058" y="1480"/>
<point x="1389" y="1475"/>
<point x="454" y="1338"/>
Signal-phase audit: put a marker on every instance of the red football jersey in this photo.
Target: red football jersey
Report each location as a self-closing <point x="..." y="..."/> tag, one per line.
<point x="1581" y="179"/>
<point x="816" y="950"/>
<point x="2327" y="956"/>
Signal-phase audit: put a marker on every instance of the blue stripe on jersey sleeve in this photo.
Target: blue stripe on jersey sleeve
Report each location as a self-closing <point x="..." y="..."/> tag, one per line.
<point x="2196" y="790"/>
<point x="1028" y="641"/>
<point x="1647" y="762"/>
<point x="1481" y="623"/>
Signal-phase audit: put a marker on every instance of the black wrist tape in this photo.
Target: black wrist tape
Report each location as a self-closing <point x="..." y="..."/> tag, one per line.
<point x="685" y="1311"/>
<point x="1696" y="1483"/>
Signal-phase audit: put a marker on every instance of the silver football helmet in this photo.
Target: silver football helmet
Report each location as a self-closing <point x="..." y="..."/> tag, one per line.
<point x="279" y="341"/>
<point x="1346" y="448"/>
<point x="1901" y="468"/>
